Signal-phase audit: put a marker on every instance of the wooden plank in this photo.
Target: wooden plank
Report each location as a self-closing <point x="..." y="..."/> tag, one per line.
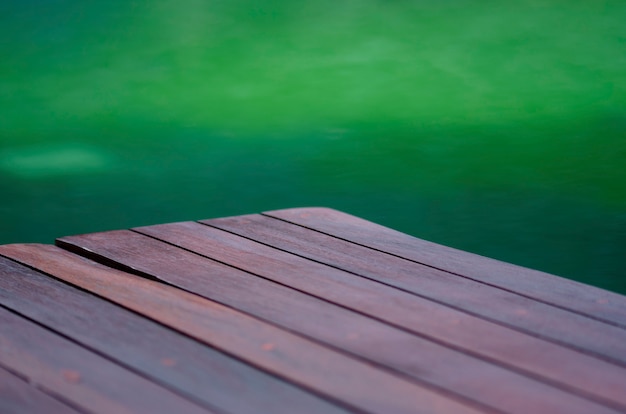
<point x="459" y="330"/>
<point x="451" y="370"/>
<point x="161" y="354"/>
<point x="19" y="397"/>
<point x="594" y="302"/>
<point x="85" y="379"/>
<point x="382" y="301"/>
<point x="355" y="383"/>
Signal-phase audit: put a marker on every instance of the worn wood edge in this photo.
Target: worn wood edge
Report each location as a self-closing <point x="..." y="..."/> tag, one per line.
<point x="573" y="391"/>
<point x="85" y="298"/>
<point x="470" y="351"/>
<point x="616" y="314"/>
<point x="443" y="398"/>
<point x="18" y="396"/>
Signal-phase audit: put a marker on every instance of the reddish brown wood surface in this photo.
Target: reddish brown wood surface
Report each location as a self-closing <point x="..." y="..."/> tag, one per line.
<point x="385" y="302"/>
<point x="598" y="303"/>
<point x="304" y="311"/>
<point x="17" y="396"/>
<point x="458" y="329"/>
<point x="86" y="379"/>
<point x="452" y="371"/>
<point x="163" y="355"/>
<point x="346" y="380"/>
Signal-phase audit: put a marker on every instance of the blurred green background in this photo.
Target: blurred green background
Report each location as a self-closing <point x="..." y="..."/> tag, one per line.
<point x="494" y="127"/>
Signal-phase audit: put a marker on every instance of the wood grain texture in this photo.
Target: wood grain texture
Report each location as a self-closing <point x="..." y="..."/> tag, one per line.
<point x="161" y="354"/>
<point x="379" y="300"/>
<point x="456" y="372"/>
<point x="17" y="396"/>
<point x="578" y="297"/>
<point x="301" y="310"/>
<point x="86" y="379"/>
<point x="289" y="356"/>
<point x="474" y="335"/>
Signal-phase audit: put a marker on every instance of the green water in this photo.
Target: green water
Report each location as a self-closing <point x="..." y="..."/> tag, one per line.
<point x="494" y="128"/>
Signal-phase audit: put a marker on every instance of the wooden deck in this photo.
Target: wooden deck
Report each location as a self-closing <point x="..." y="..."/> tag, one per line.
<point x="297" y="311"/>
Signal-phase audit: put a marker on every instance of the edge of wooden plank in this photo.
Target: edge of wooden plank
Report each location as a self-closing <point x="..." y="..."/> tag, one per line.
<point x="590" y="301"/>
<point x="303" y="362"/>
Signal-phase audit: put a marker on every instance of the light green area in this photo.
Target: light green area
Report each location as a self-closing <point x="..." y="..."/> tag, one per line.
<point x="496" y="128"/>
<point x="52" y="160"/>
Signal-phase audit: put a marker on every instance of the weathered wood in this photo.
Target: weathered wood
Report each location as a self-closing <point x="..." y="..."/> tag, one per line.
<point x="19" y="397"/>
<point x="577" y="297"/>
<point x="453" y="371"/>
<point x="85" y="379"/>
<point x="289" y="356"/>
<point x="384" y="302"/>
<point x="302" y="310"/>
<point x="161" y="354"/>
<point x="491" y="341"/>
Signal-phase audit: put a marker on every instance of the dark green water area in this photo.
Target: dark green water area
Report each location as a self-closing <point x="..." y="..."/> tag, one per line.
<point x="493" y="127"/>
